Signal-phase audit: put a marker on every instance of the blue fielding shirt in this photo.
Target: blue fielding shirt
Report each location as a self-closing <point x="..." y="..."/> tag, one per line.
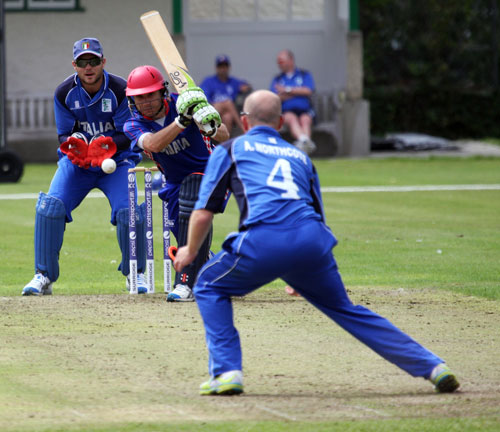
<point x="103" y="113"/>
<point x="273" y="182"/>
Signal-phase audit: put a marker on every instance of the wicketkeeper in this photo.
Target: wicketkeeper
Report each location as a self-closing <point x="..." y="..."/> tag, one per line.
<point x="90" y="109"/>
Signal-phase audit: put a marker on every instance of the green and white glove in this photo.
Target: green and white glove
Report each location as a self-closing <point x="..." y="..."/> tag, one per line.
<point x="188" y="99"/>
<point x="207" y="118"/>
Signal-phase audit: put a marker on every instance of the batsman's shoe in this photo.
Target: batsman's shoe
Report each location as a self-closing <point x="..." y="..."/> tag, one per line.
<point x="142" y="286"/>
<point x="444" y="379"/>
<point x="225" y="384"/>
<point x="181" y="293"/>
<point x="39" y="285"/>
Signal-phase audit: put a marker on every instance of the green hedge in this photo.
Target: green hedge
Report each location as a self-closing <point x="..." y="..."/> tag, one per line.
<point x="445" y="113"/>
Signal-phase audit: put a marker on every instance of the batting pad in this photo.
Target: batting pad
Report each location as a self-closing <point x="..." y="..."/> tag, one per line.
<point x="50" y="222"/>
<point x="188" y="195"/>
<point x="122" y="235"/>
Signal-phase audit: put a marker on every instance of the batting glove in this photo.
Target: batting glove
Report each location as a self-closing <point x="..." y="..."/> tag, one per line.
<point x="183" y="121"/>
<point x="188" y="99"/>
<point x="207" y="118"/>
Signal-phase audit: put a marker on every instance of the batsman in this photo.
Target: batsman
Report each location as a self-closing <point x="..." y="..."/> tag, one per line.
<point x="176" y="131"/>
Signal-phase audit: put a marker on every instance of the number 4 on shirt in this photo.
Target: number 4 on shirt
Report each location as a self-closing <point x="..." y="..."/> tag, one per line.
<point x="283" y="169"/>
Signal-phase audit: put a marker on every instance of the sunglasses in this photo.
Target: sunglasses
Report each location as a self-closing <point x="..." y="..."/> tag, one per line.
<point x="95" y="61"/>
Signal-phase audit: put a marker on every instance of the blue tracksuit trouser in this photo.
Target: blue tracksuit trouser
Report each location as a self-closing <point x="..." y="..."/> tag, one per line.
<point x="302" y="257"/>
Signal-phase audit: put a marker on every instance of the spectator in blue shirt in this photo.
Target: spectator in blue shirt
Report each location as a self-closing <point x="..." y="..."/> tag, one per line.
<point x="222" y="91"/>
<point x="295" y="87"/>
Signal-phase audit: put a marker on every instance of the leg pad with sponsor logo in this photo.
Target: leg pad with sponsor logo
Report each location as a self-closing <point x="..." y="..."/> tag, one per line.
<point x="188" y="196"/>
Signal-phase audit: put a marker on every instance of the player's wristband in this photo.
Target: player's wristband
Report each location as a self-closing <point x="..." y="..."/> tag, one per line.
<point x="182" y="121"/>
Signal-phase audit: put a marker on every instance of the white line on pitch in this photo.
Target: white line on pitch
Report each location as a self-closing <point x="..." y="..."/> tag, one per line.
<point x="274" y="412"/>
<point x="33" y="196"/>
<point x="326" y="189"/>
<point x="410" y="188"/>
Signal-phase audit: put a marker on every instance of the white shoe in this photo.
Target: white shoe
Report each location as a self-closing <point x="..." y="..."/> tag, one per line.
<point x="39" y="285"/>
<point x="181" y="293"/>
<point x="300" y="145"/>
<point x="227" y="383"/>
<point x="444" y="379"/>
<point x="310" y="146"/>
<point x="307" y="146"/>
<point x="142" y="285"/>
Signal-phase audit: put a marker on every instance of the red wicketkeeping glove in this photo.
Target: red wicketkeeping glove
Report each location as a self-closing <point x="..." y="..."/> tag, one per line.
<point x="100" y="148"/>
<point x="76" y="149"/>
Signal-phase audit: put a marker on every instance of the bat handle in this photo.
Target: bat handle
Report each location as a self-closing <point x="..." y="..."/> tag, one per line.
<point x="208" y="129"/>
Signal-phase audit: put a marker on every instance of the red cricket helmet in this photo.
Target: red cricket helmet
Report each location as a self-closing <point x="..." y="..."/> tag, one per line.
<point x="144" y="80"/>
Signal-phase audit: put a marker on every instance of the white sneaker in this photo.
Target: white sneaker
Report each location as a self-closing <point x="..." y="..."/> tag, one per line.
<point x="300" y="145"/>
<point x="227" y="383"/>
<point x="305" y="144"/>
<point x="142" y="285"/>
<point x="310" y="146"/>
<point x="39" y="285"/>
<point x="181" y="293"/>
<point x="444" y="379"/>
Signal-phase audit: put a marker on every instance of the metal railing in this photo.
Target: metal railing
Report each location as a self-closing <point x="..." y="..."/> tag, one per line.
<point x="30" y="112"/>
<point x="35" y="112"/>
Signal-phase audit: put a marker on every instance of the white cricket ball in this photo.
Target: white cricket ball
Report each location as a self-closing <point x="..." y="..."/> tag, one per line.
<point x="108" y="166"/>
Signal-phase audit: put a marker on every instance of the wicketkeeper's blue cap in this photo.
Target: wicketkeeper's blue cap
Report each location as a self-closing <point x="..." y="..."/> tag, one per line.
<point x="87" y="46"/>
<point x="222" y="59"/>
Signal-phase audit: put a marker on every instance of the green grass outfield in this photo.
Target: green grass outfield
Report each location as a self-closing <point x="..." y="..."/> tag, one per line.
<point x="92" y="358"/>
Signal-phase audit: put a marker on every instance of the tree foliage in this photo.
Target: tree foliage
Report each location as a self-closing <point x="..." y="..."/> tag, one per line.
<point x="431" y="43"/>
<point x="432" y="66"/>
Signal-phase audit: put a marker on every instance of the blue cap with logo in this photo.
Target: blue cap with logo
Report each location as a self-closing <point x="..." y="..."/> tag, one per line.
<point x="222" y="59"/>
<point x="87" y="46"/>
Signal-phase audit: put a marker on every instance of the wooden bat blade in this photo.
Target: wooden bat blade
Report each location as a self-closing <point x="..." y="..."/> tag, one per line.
<point x="166" y="50"/>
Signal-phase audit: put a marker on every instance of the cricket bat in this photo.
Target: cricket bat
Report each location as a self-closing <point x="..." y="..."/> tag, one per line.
<point x="166" y="50"/>
<point x="170" y="58"/>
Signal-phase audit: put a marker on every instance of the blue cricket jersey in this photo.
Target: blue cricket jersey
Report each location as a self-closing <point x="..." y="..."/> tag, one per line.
<point x="218" y="91"/>
<point x="187" y="154"/>
<point x="273" y="182"/>
<point x="299" y="78"/>
<point x="103" y="113"/>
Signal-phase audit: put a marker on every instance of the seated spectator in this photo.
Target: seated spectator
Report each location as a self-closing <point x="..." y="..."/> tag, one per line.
<point x="295" y="86"/>
<point x="222" y="91"/>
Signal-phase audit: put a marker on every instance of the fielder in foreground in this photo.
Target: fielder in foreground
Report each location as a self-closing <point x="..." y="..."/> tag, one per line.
<point x="90" y="109"/>
<point x="282" y="235"/>
<point x="167" y="128"/>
